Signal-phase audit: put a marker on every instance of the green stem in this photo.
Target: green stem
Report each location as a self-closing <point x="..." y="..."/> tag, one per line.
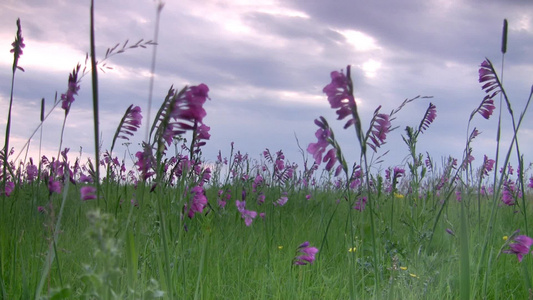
<point x="94" y="73"/>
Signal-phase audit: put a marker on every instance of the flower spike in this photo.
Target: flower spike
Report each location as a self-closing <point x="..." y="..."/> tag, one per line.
<point x="429" y="117"/>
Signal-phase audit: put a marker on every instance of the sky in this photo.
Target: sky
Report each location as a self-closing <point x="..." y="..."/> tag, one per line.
<point x="266" y="63"/>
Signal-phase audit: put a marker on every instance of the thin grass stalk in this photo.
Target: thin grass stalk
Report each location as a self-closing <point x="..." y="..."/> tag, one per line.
<point x="200" y="269"/>
<point x="2" y="282"/>
<point x="163" y="235"/>
<point x="41" y="140"/>
<point x="464" y="256"/>
<point x="17" y="51"/>
<point x="497" y="190"/>
<point x="372" y="226"/>
<point x="51" y="254"/>
<point x="94" y="76"/>
<point x="152" y="68"/>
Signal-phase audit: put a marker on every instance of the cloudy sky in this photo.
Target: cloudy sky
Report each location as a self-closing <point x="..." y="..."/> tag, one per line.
<point x="266" y="62"/>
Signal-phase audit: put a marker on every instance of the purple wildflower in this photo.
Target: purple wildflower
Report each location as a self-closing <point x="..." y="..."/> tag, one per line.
<point x="340" y="95"/>
<point x="486" y="108"/>
<point x="360" y="204"/>
<point x="202" y="134"/>
<point x="85" y="179"/>
<point x="450" y="231"/>
<point x="10" y="187"/>
<point x="248" y="216"/>
<point x="397" y="174"/>
<point x="305" y="254"/>
<point x="317" y="149"/>
<point x="186" y="108"/>
<point x="198" y="203"/>
<point x="31" y="171"/>
<point x="261" y="198"/>
<point x="73" y="88"/>
<point x="488" y="165"/>
<point x="458" y="196"/>
<point x="530" y="184"/>
<point x="18" y="45"/>
<point x="145" y="161"/>
<point x="88" y="193"/>
<point x="54" y="186"/>
<point x="281" y="201"/>
<point x="189" y="107"/>
<point x="429" y="117"/>
<point x="131" y="122"/>
<point x="241" y="205"/>
<point x="380" y="127"/>
<point x="223" y="198"/>
<point x="509" y="192"/>
<point x="487" y="76"/>
<point x="519" y="245"/>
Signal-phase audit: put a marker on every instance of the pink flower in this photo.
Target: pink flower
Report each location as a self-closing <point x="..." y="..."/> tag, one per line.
<point x="10" y="187"/>
<point x="509" y="192"/>
<point x="145" y="161"/>
<point x="31" y="171"/>
<point x="488" y="165"/>
<point x="458" y="196"/>
<point x="189" y="106"/>
<point x="486" y="108"/>
<point x="530" y="184"/>
<point x="519" y="245"/>
<point x="281" y="201"/>
<point x="241" y="205"/>
<point x="88" y="193"/>
<point x="202" y="134"/>
<point x="18" y="45"/>
<point x="199" y="201"/>
<point x="381" y="126"/>
<point x="73" y="88"/>
<point x="340" y="95"/>
<point x="317" y="149"/>
<point x="305" y="254"/>
<point x="248" y="216"/>
<point x="261" y="198"/>
<point x="488" y="77"/>
<point x="85" y="179"/>
<point x="132" y="122"/>
<point x="325" y="138"/>
<point x="360" y="204"/>
<point x="429" y="117"/>
<point x="223" y="198"/>
<point x="54" y="186"/>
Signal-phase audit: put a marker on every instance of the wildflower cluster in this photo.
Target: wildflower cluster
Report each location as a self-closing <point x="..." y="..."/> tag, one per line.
<point x="305" y="254"/>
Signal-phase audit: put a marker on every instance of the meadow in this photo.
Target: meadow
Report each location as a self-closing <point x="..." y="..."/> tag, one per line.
<point x="173" y="226"/>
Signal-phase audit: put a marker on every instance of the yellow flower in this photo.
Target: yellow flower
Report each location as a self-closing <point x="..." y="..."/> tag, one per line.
<point x="398" y="195"/>
<point x="403" y="268"/>
<point x="352" y="249"/>
<point x="505" y="238"/>
<point x="280" y="247"/>
<point x="413" y="275"/>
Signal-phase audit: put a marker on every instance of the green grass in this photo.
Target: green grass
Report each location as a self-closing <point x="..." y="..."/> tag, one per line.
<point x="122" y="253"/>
